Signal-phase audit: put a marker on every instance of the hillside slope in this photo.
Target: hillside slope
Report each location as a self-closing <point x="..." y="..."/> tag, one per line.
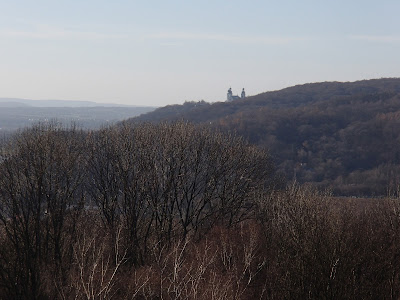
<point x="340" y="135"/>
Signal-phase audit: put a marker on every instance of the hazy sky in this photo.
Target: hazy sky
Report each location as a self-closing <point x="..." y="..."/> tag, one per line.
<point x="166" y="52"/>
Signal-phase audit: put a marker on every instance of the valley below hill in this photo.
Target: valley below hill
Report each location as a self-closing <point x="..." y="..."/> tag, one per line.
<point x="21" y="113"/>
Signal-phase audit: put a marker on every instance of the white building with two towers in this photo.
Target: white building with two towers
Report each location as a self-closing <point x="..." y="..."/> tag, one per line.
<point x="231" y="97"/>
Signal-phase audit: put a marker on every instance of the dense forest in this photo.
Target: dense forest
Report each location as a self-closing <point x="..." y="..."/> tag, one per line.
<point x="344" y="136"/>
<point x="180" y="211"/>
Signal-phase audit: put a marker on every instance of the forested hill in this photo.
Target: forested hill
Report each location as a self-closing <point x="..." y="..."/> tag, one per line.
<point x="299" y="95"/>
<point x="342" y="135"/>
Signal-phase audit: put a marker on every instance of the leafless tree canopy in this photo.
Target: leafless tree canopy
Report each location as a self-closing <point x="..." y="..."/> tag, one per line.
<point x="177" y="211"/>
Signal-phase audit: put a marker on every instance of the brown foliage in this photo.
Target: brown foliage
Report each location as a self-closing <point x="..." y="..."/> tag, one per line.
<point x="180" y="212"/>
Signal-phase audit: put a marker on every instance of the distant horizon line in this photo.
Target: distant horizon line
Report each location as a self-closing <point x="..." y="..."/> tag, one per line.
<point x="108" y="104"/>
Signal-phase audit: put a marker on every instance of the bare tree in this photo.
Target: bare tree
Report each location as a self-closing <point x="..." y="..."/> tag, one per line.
<point x="96" y="266"/>
<point x="40" y="192"/>
<point x="167" y="181"/>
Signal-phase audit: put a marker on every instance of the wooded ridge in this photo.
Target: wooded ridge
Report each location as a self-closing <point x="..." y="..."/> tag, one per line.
<point x="340" y="135"/>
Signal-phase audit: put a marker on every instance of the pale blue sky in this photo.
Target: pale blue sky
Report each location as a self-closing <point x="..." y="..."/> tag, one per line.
<point x="166" y="52"/>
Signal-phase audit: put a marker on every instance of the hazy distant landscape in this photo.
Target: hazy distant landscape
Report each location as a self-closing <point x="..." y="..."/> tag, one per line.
<point x="20" y="113"/>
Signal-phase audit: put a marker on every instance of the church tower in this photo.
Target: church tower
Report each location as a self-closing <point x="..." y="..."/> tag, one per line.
<point x="229" y="95"/>
<point x="243" y="95"/>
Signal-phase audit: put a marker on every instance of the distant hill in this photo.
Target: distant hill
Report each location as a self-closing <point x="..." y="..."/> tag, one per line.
<point x="345" y="136"/>
<point x="12" y="104"/>
<point x="296" y="96"/>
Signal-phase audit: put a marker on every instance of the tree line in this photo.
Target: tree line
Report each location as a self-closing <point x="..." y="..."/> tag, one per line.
<point x="179" y="211"/>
